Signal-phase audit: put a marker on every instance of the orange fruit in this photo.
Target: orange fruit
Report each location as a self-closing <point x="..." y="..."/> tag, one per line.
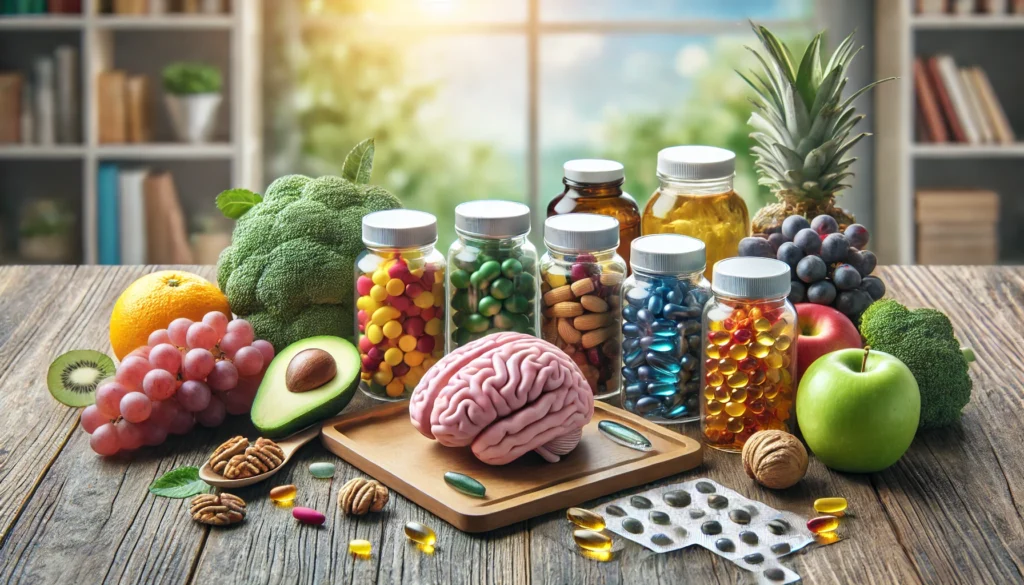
<point x="153" y="301"/>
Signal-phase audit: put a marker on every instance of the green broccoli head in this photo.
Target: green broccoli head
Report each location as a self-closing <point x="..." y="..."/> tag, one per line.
<point x="923" y="339"/>
<point x="289" y="269"/>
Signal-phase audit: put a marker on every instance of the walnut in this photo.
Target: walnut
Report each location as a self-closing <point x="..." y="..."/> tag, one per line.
<point x="775" y="459"/>
<point x="260" y="457"/>
<point x="360" y="495"/>
<point x="217" y="509"/>
<point x="230" y="448"/>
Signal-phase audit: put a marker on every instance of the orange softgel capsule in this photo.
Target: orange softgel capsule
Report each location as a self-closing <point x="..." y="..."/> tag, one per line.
<point x="823" y="524"/>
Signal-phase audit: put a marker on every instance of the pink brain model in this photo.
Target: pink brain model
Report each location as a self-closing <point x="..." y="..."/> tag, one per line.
<point x="504" y="395"/>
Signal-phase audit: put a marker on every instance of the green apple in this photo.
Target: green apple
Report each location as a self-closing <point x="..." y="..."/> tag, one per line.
<point x="858" y="414"/>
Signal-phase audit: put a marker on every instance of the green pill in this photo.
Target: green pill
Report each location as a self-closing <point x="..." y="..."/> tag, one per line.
<point x="489" y="270"/>
<point x="459" y="278"/>
<point x="461" y="301"/>
<point x="465" y="484"/>
<point x="516" y="304"/>
<point x="502" y="288"/>
<point x="528" y="262"/>
<point x="511" y="268"/>
<point x="489" y="306"/>
<point x="477" y="323"/>
<point x="526" y="285"/>
<point x="322" y="469"/>
<point x="504" y="320"/>
<point x="459" y="318"/>
<point x="520" y="324"/>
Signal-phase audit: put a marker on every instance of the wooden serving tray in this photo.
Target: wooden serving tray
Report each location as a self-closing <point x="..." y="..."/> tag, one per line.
<point x="383" y="444"/>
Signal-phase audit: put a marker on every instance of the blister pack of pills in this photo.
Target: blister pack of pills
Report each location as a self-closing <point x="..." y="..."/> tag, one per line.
<point x="705" y="513"/>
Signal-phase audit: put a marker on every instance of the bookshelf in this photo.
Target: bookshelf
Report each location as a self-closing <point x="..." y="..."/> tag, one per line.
<point x="902" y="164"/>
<point x="141" y="44"/>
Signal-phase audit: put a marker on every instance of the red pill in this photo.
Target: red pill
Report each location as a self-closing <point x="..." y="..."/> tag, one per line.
<point x="401" y="302"/>
<point x="594" y="356"/>
<point x="365" y="344"/>
<point x="374" y="353"/>
<point x="400" y="370"/>
<point x="748" y="364"/>
<point x="414" y="290"/>
<point x="425" y="344"/>
<point x="586" y="258"/>
<point x="369" y="364"/>
<point x="398" y="269"/>
<point x="414" y="326"/>
<point x="429" y="313"/>
<point x="362" y="317"/>
<point x="308" y="515"/>
<point x="578" y="272"/>
<point x="413" y="311"/>
<point x="363" y="285"/>
<point x="427" y="282"/>
<point x="742" y="335"/>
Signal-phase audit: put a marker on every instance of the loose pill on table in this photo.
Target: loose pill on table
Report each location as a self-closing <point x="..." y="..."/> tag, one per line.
<point x="420" y="533"/>
<point x="833" y="506"/>
<point x="322" y="469"/>
<point x="823" y="524"/>
<point x="308" y="516"/>
<point x="361" y="548"/>
<point x="585" y="519"/>
<point x="283" y="494"/>
<point x="591" y="540"/>
<point x="465" y="484"/>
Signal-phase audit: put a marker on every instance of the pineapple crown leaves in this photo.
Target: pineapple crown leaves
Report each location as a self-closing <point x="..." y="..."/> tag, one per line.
<point x="801" y="122"/>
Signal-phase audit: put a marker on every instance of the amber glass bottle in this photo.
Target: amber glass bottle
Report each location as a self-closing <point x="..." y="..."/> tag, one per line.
<point x="595" y="186"/>
<point x="695" y="198"/>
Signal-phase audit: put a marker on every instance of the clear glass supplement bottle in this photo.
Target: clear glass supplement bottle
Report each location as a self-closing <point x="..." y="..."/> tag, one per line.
<point x="749" y="354"/>
<point x="696" y="198"/>
<point x="399" y="301"/>
<point x="492" y="285"/>
<point x="663" y="301"/>
<point x="581" y="280"/>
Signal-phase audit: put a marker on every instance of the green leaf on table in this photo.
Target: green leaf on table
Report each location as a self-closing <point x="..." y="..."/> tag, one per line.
<point x="358" y="164"/>
<point x="233" y="203"/>
<point x="183" y="482"/>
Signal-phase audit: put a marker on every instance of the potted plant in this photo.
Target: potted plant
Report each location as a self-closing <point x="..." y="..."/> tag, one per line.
<point x="192" y="94"/>
<point x="45" y="233"/>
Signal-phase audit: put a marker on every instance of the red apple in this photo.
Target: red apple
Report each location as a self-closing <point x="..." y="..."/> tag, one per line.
<point x="822" y="330"/>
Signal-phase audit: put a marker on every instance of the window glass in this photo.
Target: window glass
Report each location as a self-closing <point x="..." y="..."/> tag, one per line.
<point x="424" y="10"/>
<point x="618" y="10"/>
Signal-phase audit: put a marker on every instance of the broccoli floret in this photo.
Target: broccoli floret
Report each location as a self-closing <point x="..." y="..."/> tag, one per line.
<point x="289" y="269"/>
<point x="923" y="339"/>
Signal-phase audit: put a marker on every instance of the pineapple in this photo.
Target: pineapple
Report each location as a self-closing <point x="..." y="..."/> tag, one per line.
<point x="802" y="126"/>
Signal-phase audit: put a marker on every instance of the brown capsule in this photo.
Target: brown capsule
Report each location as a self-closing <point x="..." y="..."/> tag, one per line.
<point x="310" y="369"/>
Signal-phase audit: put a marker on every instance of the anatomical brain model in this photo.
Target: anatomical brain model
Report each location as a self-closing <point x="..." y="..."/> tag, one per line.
<point x="504" y="395"/>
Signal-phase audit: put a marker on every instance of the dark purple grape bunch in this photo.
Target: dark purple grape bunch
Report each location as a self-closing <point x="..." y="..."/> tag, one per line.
<point x="826" y="267"/>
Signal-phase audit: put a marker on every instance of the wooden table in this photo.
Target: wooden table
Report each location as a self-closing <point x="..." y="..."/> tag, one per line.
<point x="948" y="512"/>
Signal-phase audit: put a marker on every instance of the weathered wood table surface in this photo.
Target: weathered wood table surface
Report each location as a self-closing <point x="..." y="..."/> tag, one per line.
<point x="948" y="512"/>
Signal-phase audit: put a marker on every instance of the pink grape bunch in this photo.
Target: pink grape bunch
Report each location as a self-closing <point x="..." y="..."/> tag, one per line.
<point x="191" y="372"/>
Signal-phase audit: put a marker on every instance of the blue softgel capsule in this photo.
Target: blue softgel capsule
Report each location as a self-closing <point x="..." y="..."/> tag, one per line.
<point x="636" y="297"/>
<point x="662" y="389"/>
<point x="662" y="362"/>
<point x="689" y="362"/>
<point x="629" y="313"/>
<point x="629" y="344"/>
<point x="630" y="330"/>
<point x="635" y="358"/>
<point x="648" y="405"/>
<point x="634" y="391"/>
<point x="629" y="375"/>
<point x="644" y="318"/>
<point x="664" y="328"/>
<point x="655" y="304"/>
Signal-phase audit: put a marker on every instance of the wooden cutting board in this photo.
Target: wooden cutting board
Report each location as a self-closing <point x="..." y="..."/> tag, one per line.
<point x="383" y="444"/>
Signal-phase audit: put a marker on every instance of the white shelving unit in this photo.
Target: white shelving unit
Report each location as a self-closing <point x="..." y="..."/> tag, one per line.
<point x="897" y="32"/>
<point x="240" y="145"/>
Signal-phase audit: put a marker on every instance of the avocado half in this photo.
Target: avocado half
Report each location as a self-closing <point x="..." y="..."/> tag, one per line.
<point x="277" y="411"/>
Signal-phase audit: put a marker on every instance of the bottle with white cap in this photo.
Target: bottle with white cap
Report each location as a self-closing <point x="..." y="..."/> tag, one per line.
<point x="663" y="301"/>
<point x="595" y="186"/>
<point x="581" y="281"/>
<point x="749" y="370"/>
<point x="400" y="301"/>
<point x="696" y="198"/>
<point x="492" y="285"/>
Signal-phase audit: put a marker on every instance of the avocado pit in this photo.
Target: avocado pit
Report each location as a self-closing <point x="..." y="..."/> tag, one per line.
<point x="309" y="370"/>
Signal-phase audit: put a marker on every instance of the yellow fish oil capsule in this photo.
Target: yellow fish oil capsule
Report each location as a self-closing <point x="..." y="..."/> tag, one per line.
<point x="833" y="506"/>
<point x="360" y="548"/>
<point x="283" y="494"/>
<point x="590" y="540"/>
<point x="585" y="519"/>
<point x="420" y="534"/>
<point x="601" y="556"/>
<point x="823" y="524"/>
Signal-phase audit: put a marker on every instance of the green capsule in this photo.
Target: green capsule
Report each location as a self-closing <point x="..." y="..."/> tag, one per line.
<point x="459" y="278"/>
<point x="504" y="320"/>
<point x="460" y="301"/>
<point x="489" y="306"/>
<point x="624" y="435"/>
<point x="517" y="304"/>
<point x="459" y="318"/>
<point x="489" y="270"/>
<point x="528" y="262"/>
<point x="520" y="324"/>
<point x="502" y="288"/>
<point x="465" y="484"/>
<point x="511" y="268"/>
<point x="477" y="323"/>
<point x="526" y="285"/>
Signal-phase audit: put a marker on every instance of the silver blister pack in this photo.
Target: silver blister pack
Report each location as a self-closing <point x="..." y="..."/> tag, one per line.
<point x="705" y="513"/>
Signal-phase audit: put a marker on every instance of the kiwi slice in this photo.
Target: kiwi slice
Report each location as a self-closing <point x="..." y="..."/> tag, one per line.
<point x="74" y="376"/>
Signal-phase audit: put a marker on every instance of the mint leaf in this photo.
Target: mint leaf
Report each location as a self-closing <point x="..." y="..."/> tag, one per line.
<point x="233" y="203"/>
<point x="358" y="164"/>
<point x="179" y="483"/>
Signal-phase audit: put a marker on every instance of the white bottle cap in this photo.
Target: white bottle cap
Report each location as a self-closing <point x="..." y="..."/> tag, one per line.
<point x="750" y="277"/>
<point x="696" y="163"/>
<point x="667" y="254"/>
<point x="492" y="219"/>
<point x="581" y="232"/>
<point x="593" y="170"/>
<point x="399" y="228"/>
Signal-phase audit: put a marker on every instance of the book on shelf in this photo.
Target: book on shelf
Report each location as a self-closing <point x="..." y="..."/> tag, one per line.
<point x="108" y="223"/>
<point x="930" y="6"/>
<point x="167" y="234"/>
<point x="68" y="122"/>
<point x="957" y="226"/>
<point x="10" y="107"/>
<point x="132" y="215"/>
<point x="993" y="6"/>
<point x="139" y="128"/>
<point x="111" y="105"/>
<point x="28" y="116"/>
<point x="1017" y="6"/>
<point x="963" y="7"/>
<point x="64" y="6"/>
<point x="960" y="99"/>
<point x="129" y="7"/>
<point x="44" y="91"/>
